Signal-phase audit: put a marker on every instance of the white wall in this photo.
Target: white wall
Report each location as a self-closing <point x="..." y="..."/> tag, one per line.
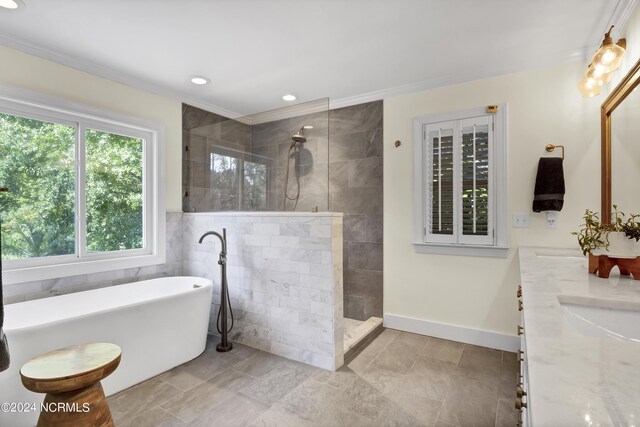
<point x="544" y="106"/>
<point x="39" y="75"/>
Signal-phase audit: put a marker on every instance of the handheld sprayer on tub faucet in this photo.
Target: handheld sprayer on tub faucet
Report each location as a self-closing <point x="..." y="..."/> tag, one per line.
<point x="221" y="322"/>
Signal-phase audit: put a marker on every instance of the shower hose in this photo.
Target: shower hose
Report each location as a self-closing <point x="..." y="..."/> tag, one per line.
<point x="223" y="263"/>
<point x="286" y="181"/>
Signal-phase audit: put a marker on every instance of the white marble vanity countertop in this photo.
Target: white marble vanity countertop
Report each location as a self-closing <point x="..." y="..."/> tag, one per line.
<point x="266" y="213"/>
<point x="576" y="379"/>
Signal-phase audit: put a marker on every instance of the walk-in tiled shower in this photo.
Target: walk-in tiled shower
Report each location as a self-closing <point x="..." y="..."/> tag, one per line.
<point x="303" y="158"/>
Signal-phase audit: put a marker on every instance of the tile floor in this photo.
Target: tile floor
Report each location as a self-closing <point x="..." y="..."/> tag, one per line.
<point x="400" y="379"/>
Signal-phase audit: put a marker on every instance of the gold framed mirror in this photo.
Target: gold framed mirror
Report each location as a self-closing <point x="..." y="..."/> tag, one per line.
<point x="625" y="125"/>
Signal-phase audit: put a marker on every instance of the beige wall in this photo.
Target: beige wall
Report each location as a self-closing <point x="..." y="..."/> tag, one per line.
<point x="544" y="106"/>
<point x="39" y="75"/>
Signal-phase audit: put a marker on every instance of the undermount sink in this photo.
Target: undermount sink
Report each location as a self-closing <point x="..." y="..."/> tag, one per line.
<point x="559" y="253"/>
<point x="604" y="320"/>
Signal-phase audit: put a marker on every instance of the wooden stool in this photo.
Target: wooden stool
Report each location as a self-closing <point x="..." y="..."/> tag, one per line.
<point x="71" y="378"/>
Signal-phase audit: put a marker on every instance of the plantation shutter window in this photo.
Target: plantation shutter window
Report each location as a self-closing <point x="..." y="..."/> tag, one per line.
<point x="440" y="181"/>
<point x="459" y="181"/>
<point x="475" y="169"/>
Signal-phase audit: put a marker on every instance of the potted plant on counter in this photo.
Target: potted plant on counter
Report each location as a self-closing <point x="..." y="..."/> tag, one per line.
<point x="618" y="239"/>
<point x="612" y="244"/>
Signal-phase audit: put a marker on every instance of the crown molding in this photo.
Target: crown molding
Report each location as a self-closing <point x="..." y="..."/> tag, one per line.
<point x="110" y="74"/>
<point x="213" y="108"/>
<point x="458" y="78"/>
<point x="295" y="110"/>
<point x="620" y="16"/>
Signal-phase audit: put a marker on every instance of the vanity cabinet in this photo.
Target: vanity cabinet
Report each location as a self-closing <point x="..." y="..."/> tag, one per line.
<point x="573" y="370"/>
<point x="522" y="387"/>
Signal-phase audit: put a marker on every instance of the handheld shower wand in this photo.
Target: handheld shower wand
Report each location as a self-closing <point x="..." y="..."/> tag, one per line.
<point x="297" y="138"/>
<point x="221" y="322"/>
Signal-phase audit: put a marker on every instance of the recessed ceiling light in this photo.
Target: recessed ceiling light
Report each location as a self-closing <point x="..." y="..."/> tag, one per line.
<point x="11" y="4"/>
<point x="196" y="80"/>
<point x="289" y="97"/>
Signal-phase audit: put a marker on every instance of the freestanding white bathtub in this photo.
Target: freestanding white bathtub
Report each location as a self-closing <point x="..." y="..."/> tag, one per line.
<point x="159" y="324"/>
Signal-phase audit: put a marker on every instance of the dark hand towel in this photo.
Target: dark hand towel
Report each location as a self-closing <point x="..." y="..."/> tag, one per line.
<point x="4" y="346"/>
<point x="549" y="191"/>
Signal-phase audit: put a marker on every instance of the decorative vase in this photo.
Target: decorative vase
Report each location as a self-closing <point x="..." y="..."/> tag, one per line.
<point x="620" y="246"/>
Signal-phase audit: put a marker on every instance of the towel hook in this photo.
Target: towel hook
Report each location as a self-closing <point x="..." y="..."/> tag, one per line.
<point x="551" y="147"/>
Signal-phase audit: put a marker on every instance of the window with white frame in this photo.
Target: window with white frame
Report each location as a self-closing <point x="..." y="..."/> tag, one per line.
<point x="83" y="189"/>
<point x="460" y="182"/>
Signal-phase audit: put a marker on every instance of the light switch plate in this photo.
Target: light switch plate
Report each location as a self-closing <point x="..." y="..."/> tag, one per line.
<point x="520" y="220"/>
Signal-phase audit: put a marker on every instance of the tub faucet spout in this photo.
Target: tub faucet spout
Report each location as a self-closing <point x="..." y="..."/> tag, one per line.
<point x="223" y="239"/>
<point x="222" y="259"/>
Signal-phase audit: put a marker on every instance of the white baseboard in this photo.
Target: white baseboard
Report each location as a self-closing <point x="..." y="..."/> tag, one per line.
<point x="452" y="332"/>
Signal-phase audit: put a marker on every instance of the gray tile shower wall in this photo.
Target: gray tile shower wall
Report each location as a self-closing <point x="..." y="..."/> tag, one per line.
<point x="271" y="141"/>
<point x="47" y="288"/>
<point x="285" y="280"/>
<point x="355" y="188"/>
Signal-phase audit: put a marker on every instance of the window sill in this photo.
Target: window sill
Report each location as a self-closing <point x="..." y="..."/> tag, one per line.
<point x="75" y="268"/>
<point x="461" y="250"/>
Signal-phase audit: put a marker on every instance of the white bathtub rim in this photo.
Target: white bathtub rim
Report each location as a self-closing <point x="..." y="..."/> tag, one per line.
<point x="19" y="329"/>
<point x="92" y="313"/>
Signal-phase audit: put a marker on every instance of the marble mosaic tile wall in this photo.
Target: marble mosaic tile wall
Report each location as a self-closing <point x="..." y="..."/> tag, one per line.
<point x="46" y="288"/>
<point x="355" y="188"/>
<point x="285" y="280"/>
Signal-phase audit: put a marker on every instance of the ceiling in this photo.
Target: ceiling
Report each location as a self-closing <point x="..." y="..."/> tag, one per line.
<point x="255" y="51"/>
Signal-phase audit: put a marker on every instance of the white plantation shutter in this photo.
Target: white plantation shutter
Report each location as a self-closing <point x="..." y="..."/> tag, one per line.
<point x="440" y="215"/>
<point x="476" y="213"/>
<point x="459" y="181"/>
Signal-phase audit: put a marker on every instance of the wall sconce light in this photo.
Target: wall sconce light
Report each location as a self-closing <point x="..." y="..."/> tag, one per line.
<point x="604" y="62"/>
<point x="588" y="88"/>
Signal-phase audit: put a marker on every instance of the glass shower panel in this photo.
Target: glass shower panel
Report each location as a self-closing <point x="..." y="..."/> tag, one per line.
<point x="215" y="149"/>
<point x="293" y="144"/>
<point x="224" y="173"/>
<point x="272" y="161"/>
<point x="254" y="185"/>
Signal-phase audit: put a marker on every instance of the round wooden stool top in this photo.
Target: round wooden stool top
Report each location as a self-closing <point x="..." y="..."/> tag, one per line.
<point x="70" y="368"/>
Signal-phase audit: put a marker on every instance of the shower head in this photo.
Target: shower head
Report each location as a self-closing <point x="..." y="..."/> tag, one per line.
<point x="299" y="136"/>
